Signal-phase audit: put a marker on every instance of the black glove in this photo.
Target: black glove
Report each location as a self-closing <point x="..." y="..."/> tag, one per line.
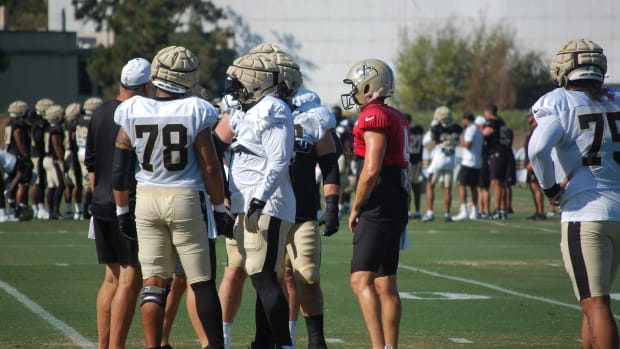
<point x="224" y="222"/>
<point x="330" y="217"/>
<point x="127" y="226"/>
<point x="254" y="212"/>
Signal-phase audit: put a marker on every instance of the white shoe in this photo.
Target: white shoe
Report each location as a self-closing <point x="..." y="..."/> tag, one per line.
<point x="474" y="216"/>
<point x="428" y="217"/>
<point x="227" y="343"/>
<point x="462" y="216"/>
<point x="4" y="218"/>
<point x="43" y="214"/>
<point x="12" y="218"/>
<point x="78" y="216"/>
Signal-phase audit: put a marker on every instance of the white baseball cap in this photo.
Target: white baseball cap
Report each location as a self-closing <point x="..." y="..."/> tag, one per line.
<point x="480" y="120"/>
<point x="136" y="72"/>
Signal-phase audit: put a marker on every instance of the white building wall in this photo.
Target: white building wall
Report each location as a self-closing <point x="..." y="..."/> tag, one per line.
<point x="327" y="37"/>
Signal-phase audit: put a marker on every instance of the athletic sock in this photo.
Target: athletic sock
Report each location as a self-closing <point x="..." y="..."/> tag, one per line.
<point x="314" y="325"/>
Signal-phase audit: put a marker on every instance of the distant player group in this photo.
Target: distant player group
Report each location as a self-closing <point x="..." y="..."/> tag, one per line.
<point x="43" y="161"/>
<point x="173" y="173"/>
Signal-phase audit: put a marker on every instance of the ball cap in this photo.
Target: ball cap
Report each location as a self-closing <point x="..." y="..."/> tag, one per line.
<point x="480" y="120"/>
<point x="136" y="72"/>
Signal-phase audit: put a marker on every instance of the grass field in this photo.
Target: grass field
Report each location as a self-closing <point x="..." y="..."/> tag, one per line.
<point x="484" y="284"/>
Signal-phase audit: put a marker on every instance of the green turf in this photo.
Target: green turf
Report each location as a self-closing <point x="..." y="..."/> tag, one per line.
<point x="515" y="263"/>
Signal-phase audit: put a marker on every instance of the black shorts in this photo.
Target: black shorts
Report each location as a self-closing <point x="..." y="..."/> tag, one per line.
<point x="468" y="176"/>
<point x="511" y="167"/>
<point x="112" y="247"/>
<point x="498" y="164"/>
<point x="376" y="246"/>
<point x="23" y="168"/>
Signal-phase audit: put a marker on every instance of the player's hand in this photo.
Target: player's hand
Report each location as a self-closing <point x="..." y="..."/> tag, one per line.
<point x="224" y="223"/>
<point x="330" y="217"/>
<point x="555" y="192"/>
<point x="353" y="217"/>
<point x="127" y="226"/>
<point x="228" y="102"/>
<point x="252" y="216"/>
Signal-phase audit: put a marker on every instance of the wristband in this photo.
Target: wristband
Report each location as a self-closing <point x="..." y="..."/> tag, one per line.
<point x="219" y="208"/>
<point x="121" y="210"/>
<point x="553" y="191"/>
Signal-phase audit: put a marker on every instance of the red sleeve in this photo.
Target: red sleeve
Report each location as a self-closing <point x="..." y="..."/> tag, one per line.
<point x="373" y="119"/>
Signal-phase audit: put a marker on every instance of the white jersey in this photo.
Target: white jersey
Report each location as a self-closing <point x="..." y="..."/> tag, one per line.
<point x="163" y="134"/>
<point x="312" y="120"/>
<point x="262" y="153"/>
<point x="7" y="161"/>
<point x="472" y="156"/>
<point x="578" y="137"/>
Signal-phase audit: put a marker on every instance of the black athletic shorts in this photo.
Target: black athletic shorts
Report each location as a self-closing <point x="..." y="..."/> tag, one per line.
<point x="468" y="176"/>
<point x="484" y="181"/>
<point x="376" y="246"/>
<point x="498" y="164"/>
<point x="112" y="247"/>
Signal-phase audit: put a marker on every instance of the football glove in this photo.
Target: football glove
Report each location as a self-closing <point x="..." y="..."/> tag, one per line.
<point x="127" y="226"/>
<point x="252" y="216"/>
<point x="224" y="222"/>
<point x="330" y="218"/>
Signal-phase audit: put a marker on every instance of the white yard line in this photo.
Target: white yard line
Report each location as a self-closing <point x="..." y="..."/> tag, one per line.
<point x="71" y="333"/>
<point x="494" y="287"/>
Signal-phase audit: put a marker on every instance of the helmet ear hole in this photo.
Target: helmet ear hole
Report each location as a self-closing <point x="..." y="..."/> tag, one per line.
<point x="366" y="89"/>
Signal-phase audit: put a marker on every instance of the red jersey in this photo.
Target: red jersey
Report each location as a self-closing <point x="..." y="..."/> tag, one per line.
<point x="383" y="118"/>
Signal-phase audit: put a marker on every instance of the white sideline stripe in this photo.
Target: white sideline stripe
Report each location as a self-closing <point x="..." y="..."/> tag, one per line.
<point x="73" y="335"/>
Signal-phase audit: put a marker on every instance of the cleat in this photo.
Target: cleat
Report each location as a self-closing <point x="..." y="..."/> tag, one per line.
<point x="43" y="214"/>
<point x="428" y="217"/>
<point x="447" y="219"/>
<point x="461" y="217"/>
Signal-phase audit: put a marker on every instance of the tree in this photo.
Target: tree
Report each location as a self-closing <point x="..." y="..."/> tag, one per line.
<point x="142" y="27"/>
<point x="468" y="70"/>
<point x="26" y="14"/>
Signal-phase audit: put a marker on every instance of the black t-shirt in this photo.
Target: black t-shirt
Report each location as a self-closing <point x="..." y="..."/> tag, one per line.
<point x="102" y="133"/>
<point x="11" y="128"/>
<point x="416" y="133"/>
<point x="492" y="141"/>
<point x="37" y="131"/>
<point x="49" y="134"/>
<point x="304" y="186"/>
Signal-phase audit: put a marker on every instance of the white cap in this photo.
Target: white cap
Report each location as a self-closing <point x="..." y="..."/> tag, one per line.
<point x="480" y="120"/>
<point x="136" y="72"/>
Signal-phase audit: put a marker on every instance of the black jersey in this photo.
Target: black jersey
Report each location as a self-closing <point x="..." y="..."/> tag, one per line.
<point x="305" y="186"/>
<point x="492" y="141"/>
<point x="48" y="135"/>
<point x="37" y="131"/>
<point x="11" y="129"/>
<point x="102" y="132"/>
<point x="416" y="133"/>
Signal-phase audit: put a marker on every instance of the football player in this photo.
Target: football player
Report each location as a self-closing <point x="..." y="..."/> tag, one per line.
<point x="445" y="134"/>
<point x="73" y="183"/>
<point x="379" y="212"/>
<point x="575" y="154"/>
<point x="173" y="210"/>
<point x="497" y="157"/>
<point x="54" y="160"/>
<point x="38" y="125"/>
<point x="17" y="142"/>
<point x="469" y="172"/>
<point x="261" y="190"/>
<point x="81" y="135"/>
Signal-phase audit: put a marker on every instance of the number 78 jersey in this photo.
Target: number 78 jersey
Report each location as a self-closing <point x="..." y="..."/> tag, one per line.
<point x="163" y="134"/>
<point x="589" y="146"/>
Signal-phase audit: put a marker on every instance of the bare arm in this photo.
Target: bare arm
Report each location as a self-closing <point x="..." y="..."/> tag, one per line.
<point x="376" y="145"/>
<point x="211" y="169"/>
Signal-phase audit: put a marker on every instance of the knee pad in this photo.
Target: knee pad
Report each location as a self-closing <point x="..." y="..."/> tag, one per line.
<point x="154" y="294"/>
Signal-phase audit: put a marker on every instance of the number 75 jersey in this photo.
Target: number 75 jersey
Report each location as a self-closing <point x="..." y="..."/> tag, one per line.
<point x="163" y="133"/>
<point x="586" y="136"/>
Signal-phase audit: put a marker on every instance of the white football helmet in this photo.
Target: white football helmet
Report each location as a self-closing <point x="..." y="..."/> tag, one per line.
<point x="91" y="104"/>
<point x="17" y="109"/>
<point x="72" y="111"/>
<point x="42" y="105"/>
<point x="252" y="77"/>
<point x="369" y="78"/>
<point x="443" y="115"/>
<point x="175" y="69"/>
<point x="290" y="74"/>
<point x="580" y="59"/>
<point x="54" y="114"/>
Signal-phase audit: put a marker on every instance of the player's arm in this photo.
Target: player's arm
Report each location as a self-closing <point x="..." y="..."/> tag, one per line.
<point x="22" y="147"/>
<point x="328" y="162"/>
<point x="275" y="139"/>
<point x="376" y="145"/>
<point x="544" y="138"/>
<point x="121" y="160"/>
<point x="211" y="169"/>
<point x="58" y="151"/>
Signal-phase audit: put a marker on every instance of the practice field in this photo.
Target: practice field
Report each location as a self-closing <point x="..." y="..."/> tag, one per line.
<point x="484" y="284"/>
